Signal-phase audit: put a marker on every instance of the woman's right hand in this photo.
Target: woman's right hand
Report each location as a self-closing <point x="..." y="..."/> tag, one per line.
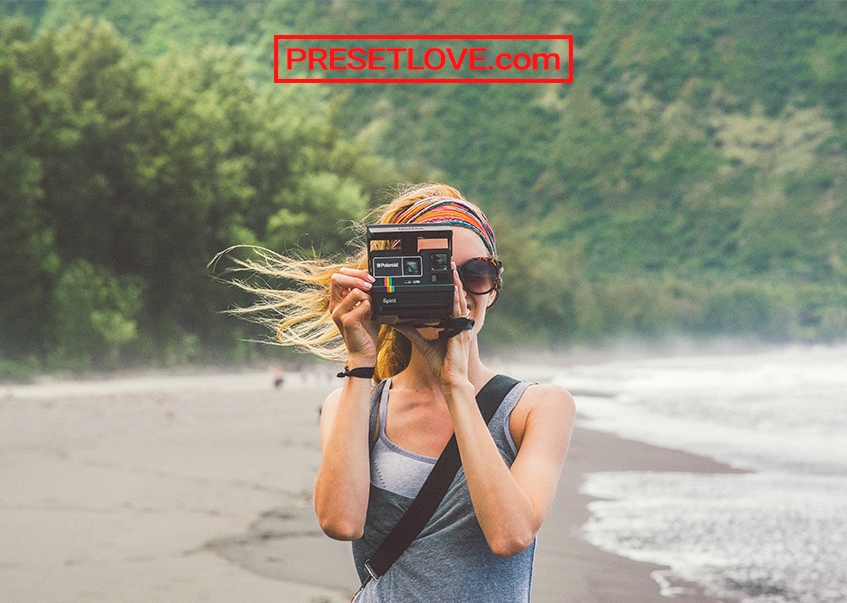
<point x="350" y="307"/>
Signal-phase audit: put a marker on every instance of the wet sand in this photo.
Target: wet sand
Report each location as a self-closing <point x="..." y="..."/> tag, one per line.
<point x="197" y="487"/>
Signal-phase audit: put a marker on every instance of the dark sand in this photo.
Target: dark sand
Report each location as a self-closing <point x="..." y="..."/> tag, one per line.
<point x="197" y="488"/>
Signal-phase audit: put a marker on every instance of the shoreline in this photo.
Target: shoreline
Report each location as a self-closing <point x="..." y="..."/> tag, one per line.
<point x="544" y="359"/>
<point x="567" y="563"/>
<point x="198" y="486"/>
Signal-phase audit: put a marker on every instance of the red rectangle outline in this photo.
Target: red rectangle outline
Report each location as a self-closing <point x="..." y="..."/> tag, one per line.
<point x="482" y="80"/>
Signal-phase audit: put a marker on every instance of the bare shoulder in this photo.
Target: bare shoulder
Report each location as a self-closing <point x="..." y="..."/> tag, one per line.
<point x="547" y="398"/>
<point x="332" y="398"/>
<point x="329" y="412"/>
<point x="330" y="405"/>
<point x="546" y="406"/>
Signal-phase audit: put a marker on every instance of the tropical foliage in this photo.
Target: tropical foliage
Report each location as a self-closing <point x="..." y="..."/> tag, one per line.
<point x="690" y="180"/>
<point x="123" y="175"/>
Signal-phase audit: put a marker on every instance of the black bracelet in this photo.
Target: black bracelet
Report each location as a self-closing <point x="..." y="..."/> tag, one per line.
<point x="363" y="372"/>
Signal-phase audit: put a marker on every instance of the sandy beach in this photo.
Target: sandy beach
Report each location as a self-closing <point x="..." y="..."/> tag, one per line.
<point x="197" y="487"/>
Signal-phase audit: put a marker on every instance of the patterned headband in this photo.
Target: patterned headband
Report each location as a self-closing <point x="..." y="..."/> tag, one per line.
<point x="456" y="212"/>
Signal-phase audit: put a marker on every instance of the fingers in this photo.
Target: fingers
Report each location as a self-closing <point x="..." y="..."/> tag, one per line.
<point x="352" y="316"/>
<point x="352" y="278"/>
<point x="356" y="273"/>
<point x="350" y="308"/>
<point x="346" y="280"/>
<point x="460" y="301"/>
<point x="352" y="300"/>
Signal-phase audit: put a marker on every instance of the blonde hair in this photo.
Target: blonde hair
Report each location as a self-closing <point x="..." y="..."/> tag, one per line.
<point x="300" y="315"/>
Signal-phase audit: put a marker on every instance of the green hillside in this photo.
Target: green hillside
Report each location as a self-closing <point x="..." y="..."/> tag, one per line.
<point x="691" y="180"/>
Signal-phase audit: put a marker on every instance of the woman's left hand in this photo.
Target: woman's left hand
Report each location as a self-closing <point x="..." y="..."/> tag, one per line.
<point x="447" y="358"/>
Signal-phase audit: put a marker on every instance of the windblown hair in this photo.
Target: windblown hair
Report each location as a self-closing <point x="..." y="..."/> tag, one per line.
<point x="299" y="315"/>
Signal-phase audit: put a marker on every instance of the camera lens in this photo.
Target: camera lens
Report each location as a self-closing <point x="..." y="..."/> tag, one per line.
<point x="439" y="262"/>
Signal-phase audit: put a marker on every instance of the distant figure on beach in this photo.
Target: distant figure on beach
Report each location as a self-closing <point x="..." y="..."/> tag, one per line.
<point x="278" y="376"/>
<point x="407" y="391"/>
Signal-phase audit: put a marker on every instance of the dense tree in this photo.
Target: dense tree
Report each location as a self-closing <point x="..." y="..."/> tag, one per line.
<point x="124" y="176"/>
<point x="28" y="262"/>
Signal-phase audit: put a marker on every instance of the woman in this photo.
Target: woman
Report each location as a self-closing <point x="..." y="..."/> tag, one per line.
<point x="379" y="443"/>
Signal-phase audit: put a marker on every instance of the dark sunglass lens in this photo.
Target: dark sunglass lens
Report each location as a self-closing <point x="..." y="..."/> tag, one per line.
<point x="478" y="276"/>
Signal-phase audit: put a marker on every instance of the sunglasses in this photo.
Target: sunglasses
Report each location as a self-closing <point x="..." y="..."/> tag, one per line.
<point x="480" y="275"/>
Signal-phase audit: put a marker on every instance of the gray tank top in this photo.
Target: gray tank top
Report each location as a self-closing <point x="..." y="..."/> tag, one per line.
<point x="394" y="468"/>
<point x="450" y="561"/>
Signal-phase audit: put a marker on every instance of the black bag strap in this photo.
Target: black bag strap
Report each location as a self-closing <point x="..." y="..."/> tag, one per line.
<point x="435" y="487"/>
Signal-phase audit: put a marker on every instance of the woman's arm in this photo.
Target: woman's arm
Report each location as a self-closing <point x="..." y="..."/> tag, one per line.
<point x="511" y="503"/>
<point x="343" y="483"/>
